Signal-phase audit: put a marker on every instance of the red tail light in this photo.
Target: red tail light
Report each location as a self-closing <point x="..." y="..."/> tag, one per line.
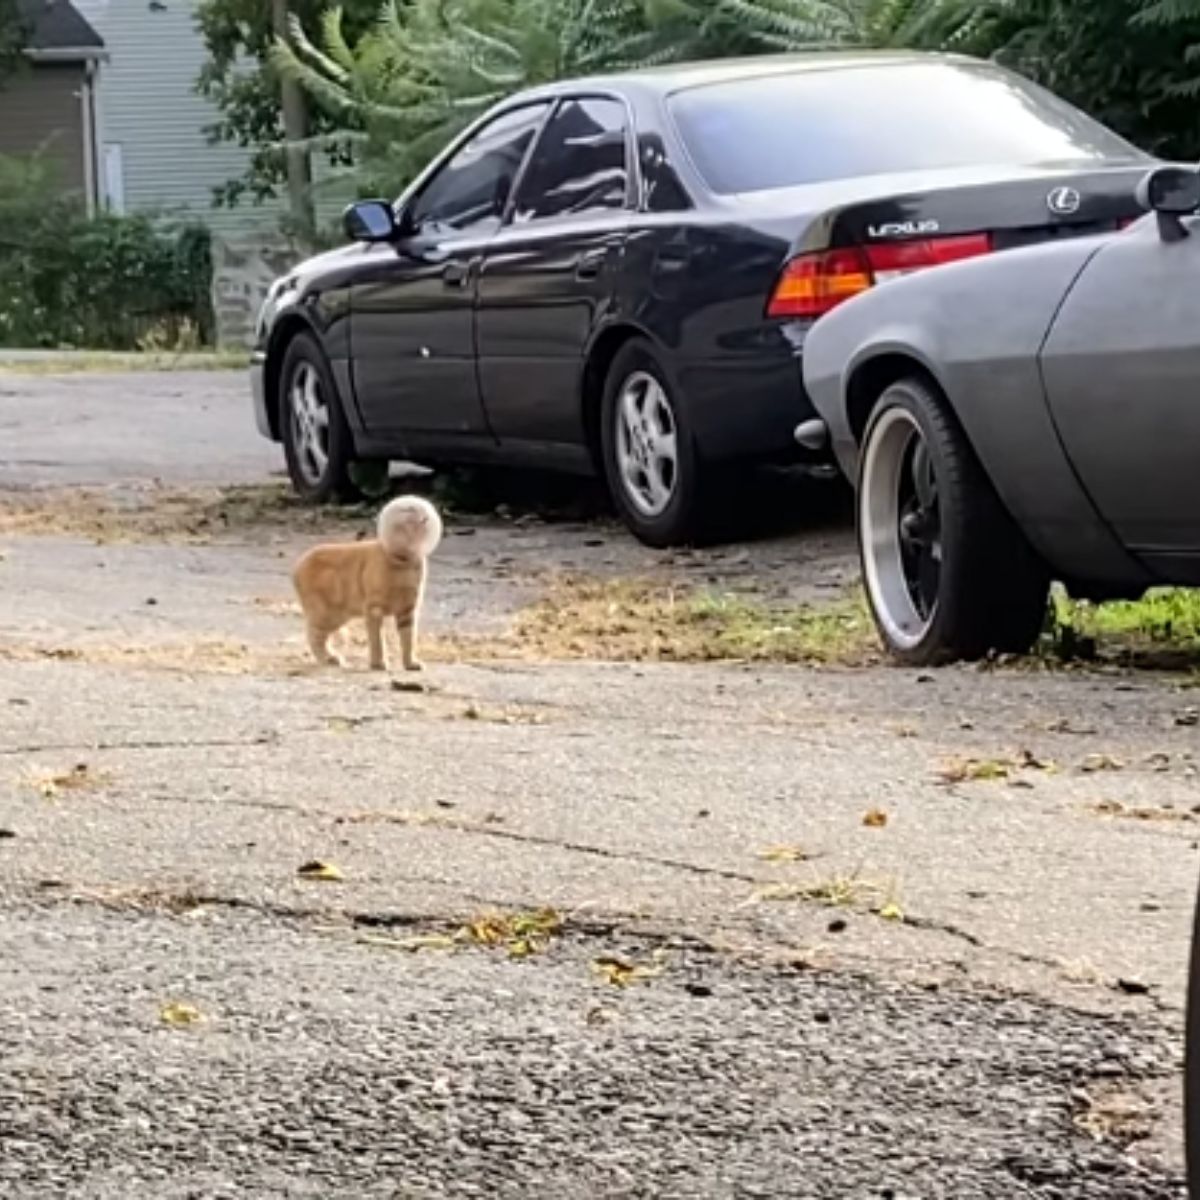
<point x="813" y="284"/>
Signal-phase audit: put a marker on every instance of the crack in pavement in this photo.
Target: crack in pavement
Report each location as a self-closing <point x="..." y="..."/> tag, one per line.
<point x="766" y="950"/>
<point x="265" y="739"/>
<point x="411" y="819"/>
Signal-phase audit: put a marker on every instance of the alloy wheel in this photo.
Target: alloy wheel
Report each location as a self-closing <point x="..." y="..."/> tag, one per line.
<point x="900" y="528"/>
<point x="309" y="410"/>
<point x="647" y="446"/>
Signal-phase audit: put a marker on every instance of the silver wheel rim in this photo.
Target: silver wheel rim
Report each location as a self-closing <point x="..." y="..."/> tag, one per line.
<point x="647" y="444"/>
<point x="310" y="423"/>
<point x="900" y="529"/>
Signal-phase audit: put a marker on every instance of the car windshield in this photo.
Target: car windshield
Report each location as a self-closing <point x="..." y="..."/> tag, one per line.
<point x="814" y="126"/>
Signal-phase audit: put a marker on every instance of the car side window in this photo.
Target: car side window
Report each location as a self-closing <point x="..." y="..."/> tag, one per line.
<point x="580" y="164"/>
<point x="472" y="189"/>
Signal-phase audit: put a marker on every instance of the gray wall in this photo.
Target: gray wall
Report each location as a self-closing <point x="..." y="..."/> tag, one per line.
<point x="42" y="106"/>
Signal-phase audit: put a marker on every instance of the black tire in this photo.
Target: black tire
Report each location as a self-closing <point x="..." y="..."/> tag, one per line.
<point x="1191" y="1070"/>
<point x="987" y="590"/>
<point x="680" y="519"/>
<point x="330" y="482"/>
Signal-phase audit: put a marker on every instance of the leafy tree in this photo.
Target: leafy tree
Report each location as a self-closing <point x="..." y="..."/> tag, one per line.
<point x="238" y="78"/>
<point x="429" y="67"/>
<point x="1122" y="60"/>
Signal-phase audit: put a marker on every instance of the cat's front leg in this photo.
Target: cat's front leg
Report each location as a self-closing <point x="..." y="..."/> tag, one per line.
<point x="406" y="627"/>
<point x="375" y="640"/>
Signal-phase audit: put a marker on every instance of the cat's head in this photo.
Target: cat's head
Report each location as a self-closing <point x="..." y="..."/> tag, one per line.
<point x="410" y="525"/>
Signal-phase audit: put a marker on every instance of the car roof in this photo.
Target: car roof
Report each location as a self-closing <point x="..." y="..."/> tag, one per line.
<point x="676" y="77"/>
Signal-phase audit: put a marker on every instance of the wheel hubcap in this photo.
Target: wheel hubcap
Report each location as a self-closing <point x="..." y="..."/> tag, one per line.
<point x="647" y="444"/>
<point x="900" y="528"/>
<point x="310" y="423"/>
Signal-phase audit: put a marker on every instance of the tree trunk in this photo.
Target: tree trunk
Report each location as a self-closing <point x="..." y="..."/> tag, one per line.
<point x="295" y="129"/>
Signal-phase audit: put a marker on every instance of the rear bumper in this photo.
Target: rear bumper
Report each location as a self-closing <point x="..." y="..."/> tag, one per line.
<point x="258" y="393"/>
<point x="741" y="410"/>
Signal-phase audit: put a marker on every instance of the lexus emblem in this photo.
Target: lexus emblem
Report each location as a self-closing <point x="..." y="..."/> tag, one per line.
<point x="1063" y="201"/>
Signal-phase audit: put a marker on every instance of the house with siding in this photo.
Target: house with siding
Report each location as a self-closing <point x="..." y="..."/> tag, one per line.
<point x="153" y="151"/>
<point x="49" y="108"/>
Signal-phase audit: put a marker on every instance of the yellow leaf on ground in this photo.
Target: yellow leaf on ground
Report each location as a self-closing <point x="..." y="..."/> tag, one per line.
<point x="321" y="871"/>
<point x="49" y="784"/>
<point x="875" y="818"/>
<point x="964" y="770"/>
<point x="179" y="1014"/>
<point x="521" y="933"/>
<point x="429" y="941"/>
<point x="892" y="912"/>
<point x="784" y="853"/>
<point x="622" y="973"/>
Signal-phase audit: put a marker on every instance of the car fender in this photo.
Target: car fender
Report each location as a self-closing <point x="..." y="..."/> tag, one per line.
<point x="977" y="328"/>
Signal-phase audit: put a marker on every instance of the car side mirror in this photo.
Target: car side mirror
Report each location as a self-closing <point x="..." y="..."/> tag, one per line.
<point x="371" y="221"/>
<point x="1172" y="193"/>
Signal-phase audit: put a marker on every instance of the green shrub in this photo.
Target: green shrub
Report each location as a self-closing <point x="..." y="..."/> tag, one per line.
<point x="104" y="283"/>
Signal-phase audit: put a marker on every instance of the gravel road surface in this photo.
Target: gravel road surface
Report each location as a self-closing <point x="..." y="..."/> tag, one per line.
<point x="735" y="986"/>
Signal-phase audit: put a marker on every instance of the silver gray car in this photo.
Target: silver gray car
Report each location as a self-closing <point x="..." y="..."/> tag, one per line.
<point x="1028" y="415"/>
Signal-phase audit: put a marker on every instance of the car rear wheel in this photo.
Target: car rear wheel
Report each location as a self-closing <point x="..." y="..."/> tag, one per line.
<point x="317" y="442"/>
<point x="948" y="574"/>
<point x="650" y="459"/>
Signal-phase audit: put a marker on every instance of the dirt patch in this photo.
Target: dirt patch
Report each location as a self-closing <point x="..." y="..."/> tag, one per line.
<point x="648" y="620"/>
<point x="577" y="618"/>
<point x="149" y="513"/>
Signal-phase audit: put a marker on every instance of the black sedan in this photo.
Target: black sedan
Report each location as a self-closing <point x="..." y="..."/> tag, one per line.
<point x="618" y="275"/>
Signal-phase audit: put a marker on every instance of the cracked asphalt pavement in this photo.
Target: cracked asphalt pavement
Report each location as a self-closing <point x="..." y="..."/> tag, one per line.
<point x="752" y="992"/>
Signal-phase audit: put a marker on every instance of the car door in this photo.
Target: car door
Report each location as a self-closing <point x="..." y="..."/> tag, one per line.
<point x="412" y="323"/>
<point x="1121" y="366"/>
<point x="549" y="272"/>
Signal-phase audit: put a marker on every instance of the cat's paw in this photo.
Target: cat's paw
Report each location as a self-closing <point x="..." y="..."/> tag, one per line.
<point x="379" y="666"/>
<point x="414" y="665"/>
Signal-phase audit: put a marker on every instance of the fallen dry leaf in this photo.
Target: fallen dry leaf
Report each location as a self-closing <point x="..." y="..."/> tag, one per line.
<point x="522" y="934"/>
<point x="784" y="854"/>
<point x="621" y="972"/>
<point x="1101" y="762"/>
<point x="179" y="1014"/>
<point x="875" y="818"/>
<point x="49" y="784"/>
<point x="968" y="770"/>
<point x="428" y="941"/>
<point x="321" y="871"/>
<point x="1114" y="1114"/>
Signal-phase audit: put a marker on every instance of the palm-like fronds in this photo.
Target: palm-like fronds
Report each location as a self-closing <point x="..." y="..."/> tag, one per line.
<point x="427" y="67"/>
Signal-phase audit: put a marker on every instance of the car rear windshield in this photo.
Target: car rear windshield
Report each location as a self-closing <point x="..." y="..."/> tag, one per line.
<point x="812" y="126"/>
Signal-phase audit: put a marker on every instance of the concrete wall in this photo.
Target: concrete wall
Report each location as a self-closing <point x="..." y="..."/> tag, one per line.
<point x="243" y="269"/>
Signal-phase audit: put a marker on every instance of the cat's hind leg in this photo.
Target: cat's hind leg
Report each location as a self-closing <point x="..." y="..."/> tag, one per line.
<point x="318" y="643"/>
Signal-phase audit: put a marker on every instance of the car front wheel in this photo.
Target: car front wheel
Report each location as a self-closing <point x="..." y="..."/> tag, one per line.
<point x="649" y="456"/>
<point x="948" y="574"/>
<point x="317" y="442"/>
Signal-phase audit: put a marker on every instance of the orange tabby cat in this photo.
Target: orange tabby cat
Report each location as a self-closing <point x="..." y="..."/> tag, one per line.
<point x="373" y="580"/>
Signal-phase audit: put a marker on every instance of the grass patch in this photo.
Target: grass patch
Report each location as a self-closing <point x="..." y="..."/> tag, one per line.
<point x="1162" y="629"/>
<point x="623" y="620"/>
<point x="101" y="362"/>
<point x="163" y="514"/>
